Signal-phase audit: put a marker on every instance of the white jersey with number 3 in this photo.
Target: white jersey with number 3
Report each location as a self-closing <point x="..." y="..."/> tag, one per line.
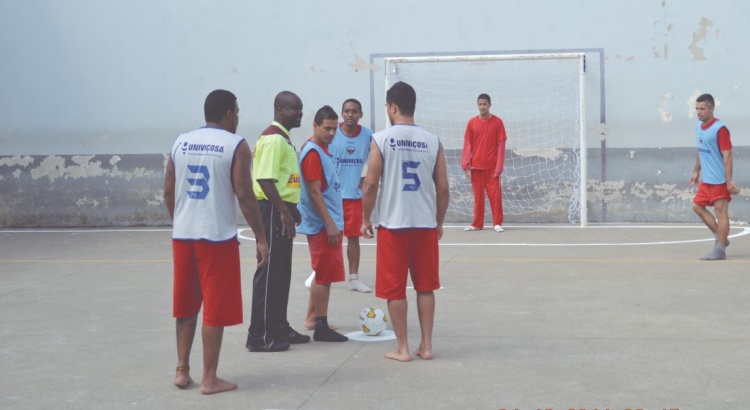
<point x="407" y="196"/>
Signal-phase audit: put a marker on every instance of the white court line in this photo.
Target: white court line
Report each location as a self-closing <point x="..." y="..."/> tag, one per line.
<point x="745" y="231"/>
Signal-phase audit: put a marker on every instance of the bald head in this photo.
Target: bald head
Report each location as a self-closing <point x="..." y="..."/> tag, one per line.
<point x="287" y="108"/>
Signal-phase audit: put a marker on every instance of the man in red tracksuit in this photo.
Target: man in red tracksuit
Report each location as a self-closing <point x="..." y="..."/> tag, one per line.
<point x="483" y="159"/>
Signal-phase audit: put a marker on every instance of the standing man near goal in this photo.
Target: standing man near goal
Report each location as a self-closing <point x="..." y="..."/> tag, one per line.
<point x="713" y="163"/>
<point x="482" y="160"/>
<point x="409" y="163"/>
<point x="207" y="169"/>
<point x="277" y="187"/>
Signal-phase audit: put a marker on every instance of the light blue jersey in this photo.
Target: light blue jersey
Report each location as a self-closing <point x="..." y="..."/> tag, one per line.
<point x="312" y="222"/>
<point x="712" y="162"/>
<point x="350" y="154"/>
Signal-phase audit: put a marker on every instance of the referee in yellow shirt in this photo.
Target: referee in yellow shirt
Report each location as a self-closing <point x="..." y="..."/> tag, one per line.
<point x="277" y="187"/>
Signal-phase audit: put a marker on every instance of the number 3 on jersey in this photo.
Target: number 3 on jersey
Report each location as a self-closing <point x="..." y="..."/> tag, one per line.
<point x="406" y="166"/>
<point x="199" y="182"/>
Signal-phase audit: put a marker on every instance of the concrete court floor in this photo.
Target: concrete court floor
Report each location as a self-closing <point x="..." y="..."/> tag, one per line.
<point x="537" y="317"/>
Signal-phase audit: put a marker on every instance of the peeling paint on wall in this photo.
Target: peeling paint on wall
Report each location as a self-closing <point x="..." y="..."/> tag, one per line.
<point x="53" y="167"/>
<point x="666" y="116"/>
<point x="360" y="64"/>
<point x="699" y="36"/>
<point x="546" y="153"/>
<point x="17" y="160"/>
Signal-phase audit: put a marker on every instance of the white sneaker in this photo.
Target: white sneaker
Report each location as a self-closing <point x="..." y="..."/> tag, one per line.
<point x="498" y="228"/>
<point x="471" y="228"/>
<point x="309" y="280"/>
<point x="357" y="285"/>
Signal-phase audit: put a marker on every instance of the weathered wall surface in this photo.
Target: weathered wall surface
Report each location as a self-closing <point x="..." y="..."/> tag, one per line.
<point x="81" y="81"/>
<point x="82" y="190"/>
<point x="644" y="185"/>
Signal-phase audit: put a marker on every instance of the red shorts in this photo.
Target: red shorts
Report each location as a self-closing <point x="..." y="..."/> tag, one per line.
<point x="327" y="260"/>
<point x="352" y="218"/>
<point x="208" y="273"/>
<point x="708" y="194"/>
<point x="403" y="251"/>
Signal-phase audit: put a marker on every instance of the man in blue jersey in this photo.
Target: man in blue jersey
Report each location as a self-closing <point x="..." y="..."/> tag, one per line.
<point x="350" y="148"/>
<point x="322" y="220"/>
<point x="713" y="170"/>
<point x="207" y="169"/>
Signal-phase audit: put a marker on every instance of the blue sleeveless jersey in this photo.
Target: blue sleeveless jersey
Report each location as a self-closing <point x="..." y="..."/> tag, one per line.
<point x="350" y="154"/>
<point x="712" y="162"/>
<point x="312" y="223"/>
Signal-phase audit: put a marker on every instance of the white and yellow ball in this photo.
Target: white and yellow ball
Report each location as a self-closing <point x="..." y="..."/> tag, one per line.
<point x="372" y="321"/>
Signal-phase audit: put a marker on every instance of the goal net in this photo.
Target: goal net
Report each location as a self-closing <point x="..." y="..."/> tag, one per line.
<point x="539" y="97"/>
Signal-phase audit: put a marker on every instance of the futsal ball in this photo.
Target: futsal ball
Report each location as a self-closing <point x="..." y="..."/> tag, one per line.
<point x="372" y="321"/>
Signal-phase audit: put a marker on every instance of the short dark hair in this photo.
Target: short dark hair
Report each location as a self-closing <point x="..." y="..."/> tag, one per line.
<point x="218" y="102"/>
<point x="352" y="100"/>
<point x="402" y="95"/>
<point x="325" y="113"/>
<point x="706" y="98"/>
<point x="484" y="96"/>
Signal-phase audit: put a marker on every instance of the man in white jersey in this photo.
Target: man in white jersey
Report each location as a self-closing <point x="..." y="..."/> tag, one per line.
<point x="350" y="148"/>
<point x="409" y="165"/>
<point x="207" y="168"/>
<point x="713" y="170"/>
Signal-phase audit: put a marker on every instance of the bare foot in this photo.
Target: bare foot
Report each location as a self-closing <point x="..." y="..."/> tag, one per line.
<point x="425" y="354"/>
<point x="401" y="357"/>
<point x="218" y="386"/>
<point x="311" y="326"/>
<point x="182" y="377"/>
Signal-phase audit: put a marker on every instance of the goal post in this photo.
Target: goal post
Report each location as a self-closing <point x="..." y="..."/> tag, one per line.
<point x="539" y="97"/>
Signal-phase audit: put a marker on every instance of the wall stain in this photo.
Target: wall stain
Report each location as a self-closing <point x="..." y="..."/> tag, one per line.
<point x="53" y="167"/>
<point x="360" y="64"/>
<point x="699" y="36"/>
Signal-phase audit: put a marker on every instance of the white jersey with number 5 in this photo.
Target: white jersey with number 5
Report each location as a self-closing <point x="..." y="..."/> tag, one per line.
<point x="407" y="191"/>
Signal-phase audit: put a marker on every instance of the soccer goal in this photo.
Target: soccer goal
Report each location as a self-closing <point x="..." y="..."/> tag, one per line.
<point x="539" y="97"/>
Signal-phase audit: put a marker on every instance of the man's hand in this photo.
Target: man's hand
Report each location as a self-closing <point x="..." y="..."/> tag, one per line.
<point x="334" y="235"/>
<point x="467" y="171"/>
<point x="440" y="232"/>
<point x="367" y="230"/>
<point x="287" y="223"/>
<point x="732" y="188"/>
<point x="695" y="178"/>
<point x="261" y="253"/>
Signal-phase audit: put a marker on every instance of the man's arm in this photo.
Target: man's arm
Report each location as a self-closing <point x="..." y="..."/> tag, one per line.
<point x="242" y="181"/>
<point x="316" y="196"/>
<point x="370" y="188"/>
<point x="731" y="187"/>
<point x="466" y="153"/>
<point x="501" y="138"/>
<point x="169" y="187"/>
<point x="695" y="177"/>
<point x="287" y="219"/>
<point x="442" y="189"/>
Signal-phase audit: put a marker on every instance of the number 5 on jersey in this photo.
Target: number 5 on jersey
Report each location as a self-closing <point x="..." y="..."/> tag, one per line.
<point x="406" y="166"/>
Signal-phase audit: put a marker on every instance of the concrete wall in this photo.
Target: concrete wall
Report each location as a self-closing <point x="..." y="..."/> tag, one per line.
<point x="92" y="94"/>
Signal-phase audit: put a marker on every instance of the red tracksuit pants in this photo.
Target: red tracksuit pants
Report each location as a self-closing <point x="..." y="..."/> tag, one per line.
<point x="482" y="180"/>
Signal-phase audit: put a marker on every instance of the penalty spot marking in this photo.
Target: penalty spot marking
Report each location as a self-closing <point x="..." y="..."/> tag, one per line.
<point x="360" y="336"/>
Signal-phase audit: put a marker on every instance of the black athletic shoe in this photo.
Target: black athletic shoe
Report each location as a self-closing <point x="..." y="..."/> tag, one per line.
<point x="294" y="337"/>
<point x="272" y="346"/>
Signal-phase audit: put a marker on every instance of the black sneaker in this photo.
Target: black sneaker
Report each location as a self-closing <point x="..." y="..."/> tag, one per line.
<point x="294" y="337"/>
<point x="272" y="346"/>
